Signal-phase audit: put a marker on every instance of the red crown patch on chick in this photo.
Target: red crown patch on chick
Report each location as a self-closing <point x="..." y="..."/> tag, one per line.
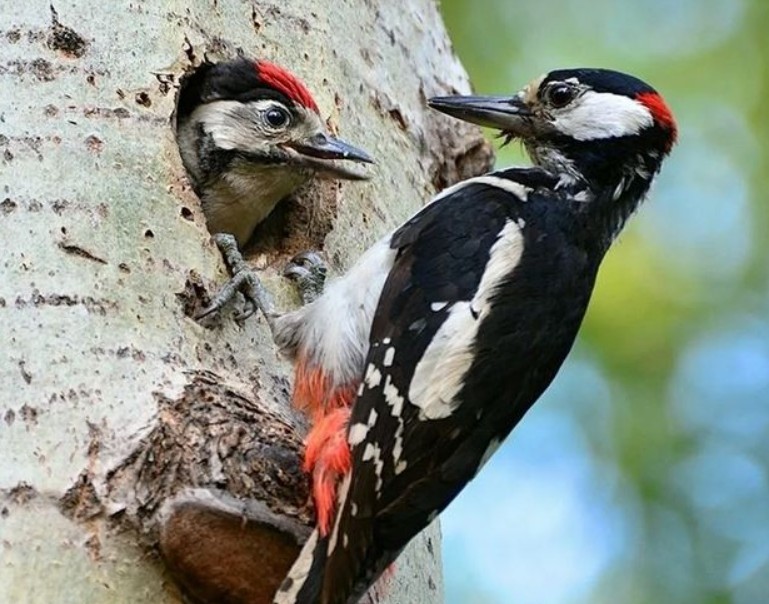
<point x="287" y="83"/>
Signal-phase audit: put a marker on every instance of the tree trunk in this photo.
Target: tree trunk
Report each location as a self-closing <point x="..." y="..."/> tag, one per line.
<point x="142" y="451"/>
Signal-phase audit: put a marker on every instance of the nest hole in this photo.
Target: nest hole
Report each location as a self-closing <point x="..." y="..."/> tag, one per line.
<point x="298" y="223"/>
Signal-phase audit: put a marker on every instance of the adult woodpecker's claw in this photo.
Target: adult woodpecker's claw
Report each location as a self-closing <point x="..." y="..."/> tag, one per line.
<point x="308" y="272"/>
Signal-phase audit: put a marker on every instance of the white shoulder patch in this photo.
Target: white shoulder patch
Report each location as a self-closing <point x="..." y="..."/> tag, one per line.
<point x="596" y="115"/>
<point x="505" y="184"/>
<point x="440" y="373"/>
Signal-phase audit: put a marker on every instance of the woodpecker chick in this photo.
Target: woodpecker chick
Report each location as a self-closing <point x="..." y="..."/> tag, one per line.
<point x="250" y="134"/>
<point x="449" y="329"/>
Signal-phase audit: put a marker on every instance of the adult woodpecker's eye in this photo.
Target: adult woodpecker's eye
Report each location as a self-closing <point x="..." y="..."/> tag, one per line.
<point x="277" y="117"/>
<point x="560" y="95"/>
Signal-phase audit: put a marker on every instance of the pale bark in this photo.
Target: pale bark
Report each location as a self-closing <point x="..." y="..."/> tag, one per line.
<point x="113" y="400"/>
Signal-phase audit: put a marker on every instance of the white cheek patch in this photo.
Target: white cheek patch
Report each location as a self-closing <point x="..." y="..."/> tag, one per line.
<point x="236" y="125"/>
<point x="596" y="115"/>
<point x="223" y="120"/>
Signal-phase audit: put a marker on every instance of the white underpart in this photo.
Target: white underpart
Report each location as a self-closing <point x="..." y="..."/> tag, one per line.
<point x="334" y="329"/>
<point x="596" y="115"/>
<point x="298" y="572"/>
<point x="440" y="372"/>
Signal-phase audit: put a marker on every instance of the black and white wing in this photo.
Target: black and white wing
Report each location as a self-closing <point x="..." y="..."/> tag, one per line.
<point x="446" y="375"/>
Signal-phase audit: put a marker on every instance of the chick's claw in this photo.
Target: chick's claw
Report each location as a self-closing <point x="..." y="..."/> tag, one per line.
<point x="244" y="280"/>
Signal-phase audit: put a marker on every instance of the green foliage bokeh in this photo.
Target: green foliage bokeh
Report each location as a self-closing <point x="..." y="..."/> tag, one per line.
<point x="678" y="327"/>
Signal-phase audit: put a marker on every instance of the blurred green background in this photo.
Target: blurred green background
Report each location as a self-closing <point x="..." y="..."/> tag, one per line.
<point x="642" y="476"/>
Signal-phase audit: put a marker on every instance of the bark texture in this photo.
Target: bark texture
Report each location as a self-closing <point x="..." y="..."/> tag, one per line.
<point x="142" y="451"/>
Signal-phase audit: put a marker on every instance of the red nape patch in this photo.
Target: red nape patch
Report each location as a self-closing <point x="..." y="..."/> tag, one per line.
<point x="327" y="458"/>
<point x="286" y="83"/>
<point x="660" y="112"/>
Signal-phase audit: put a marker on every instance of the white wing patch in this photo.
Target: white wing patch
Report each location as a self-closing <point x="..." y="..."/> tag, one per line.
<point x="596" y="115"/>
<point x="440" y="372"/>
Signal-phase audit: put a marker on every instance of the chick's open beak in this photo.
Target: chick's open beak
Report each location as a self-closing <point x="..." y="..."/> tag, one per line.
<point x="319" y="150"/>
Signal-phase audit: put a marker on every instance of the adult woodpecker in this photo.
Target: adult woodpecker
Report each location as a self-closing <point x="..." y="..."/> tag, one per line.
<point x="452" y="326"/>
<point x="249" y="135"/>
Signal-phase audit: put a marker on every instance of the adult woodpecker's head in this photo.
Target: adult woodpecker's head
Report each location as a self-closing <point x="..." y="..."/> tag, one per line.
<point x="249" y="134"/>
<point x="599" y="127"/>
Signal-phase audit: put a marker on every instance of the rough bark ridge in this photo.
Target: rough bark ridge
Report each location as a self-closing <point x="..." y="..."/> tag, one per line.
<point x="119" y="415"/>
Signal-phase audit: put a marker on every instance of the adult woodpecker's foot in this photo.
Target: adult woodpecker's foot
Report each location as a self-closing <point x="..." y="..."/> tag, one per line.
<point x="308" y="272"/>
<point x="244" y="280"/>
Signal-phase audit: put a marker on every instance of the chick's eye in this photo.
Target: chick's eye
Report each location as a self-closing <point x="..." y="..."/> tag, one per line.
<point x="276" y="117"/>
<point x="561" y="95"/>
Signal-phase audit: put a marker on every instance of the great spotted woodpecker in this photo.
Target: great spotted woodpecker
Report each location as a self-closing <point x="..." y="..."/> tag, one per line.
<point x="449" y="329"/>
<point x="250" y="134"/>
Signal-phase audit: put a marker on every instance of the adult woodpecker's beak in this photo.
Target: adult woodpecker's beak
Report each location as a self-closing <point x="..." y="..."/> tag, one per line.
<point x="511" y="114"/>
<point x="318" y="151"/>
